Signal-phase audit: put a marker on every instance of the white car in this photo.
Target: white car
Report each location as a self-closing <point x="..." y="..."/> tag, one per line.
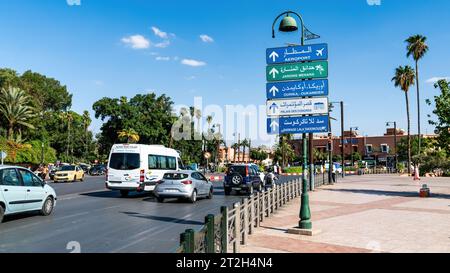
<point x="22" y="191"/>
<point x="136" y="167"/>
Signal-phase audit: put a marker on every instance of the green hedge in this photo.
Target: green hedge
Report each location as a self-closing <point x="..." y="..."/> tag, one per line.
<point x="293" y="170"/>
<point x="27" y="153"/>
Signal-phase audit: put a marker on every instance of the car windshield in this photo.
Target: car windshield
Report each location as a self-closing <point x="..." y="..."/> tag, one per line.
<point x="124" y="161"/>
<point x="67" y="168"/>
<point x="237" y="169"/>
<point x="175" y="176"/>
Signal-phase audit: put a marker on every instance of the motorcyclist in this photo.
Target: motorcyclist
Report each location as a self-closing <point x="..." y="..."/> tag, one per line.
<point x="270" y="178"/>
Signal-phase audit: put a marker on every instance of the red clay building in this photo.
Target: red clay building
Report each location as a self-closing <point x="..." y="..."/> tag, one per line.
<point x="371" y="148"/>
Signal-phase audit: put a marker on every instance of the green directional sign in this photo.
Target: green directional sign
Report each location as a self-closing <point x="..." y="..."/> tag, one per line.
<point x="297" y="71"/>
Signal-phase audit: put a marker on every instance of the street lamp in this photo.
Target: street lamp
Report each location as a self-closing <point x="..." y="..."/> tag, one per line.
<point x="341" y="103"/>
<point x="389" y="123"/>
<point x="351" y="142"/>
<point x="289" y="24"/>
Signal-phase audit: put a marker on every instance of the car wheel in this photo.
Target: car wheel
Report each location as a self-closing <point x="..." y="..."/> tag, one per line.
<point x="211" y="194"/>
<point x="260" y="187"/>
<point x="251" y="190"/>
<point x="236" y="179"/>
<point x="193" y="197"/>
<point x="2" y="214"/>
<point x="124" y="193"/>
<point x="160" y="199"/>
<point x="47" y="207"/>
<point x="227" y="191"/>
<point x="82" y="178"/>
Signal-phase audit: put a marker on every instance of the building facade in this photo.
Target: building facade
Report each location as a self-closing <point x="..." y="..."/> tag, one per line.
<point x="379" y="150"/>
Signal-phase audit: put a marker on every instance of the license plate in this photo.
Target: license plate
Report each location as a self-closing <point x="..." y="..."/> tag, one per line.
<point x="149" y="188"/>
<point x="171" y="191"/>
<point x="237" y="189"/>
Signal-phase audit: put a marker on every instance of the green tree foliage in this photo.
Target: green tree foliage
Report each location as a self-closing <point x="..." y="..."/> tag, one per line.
<point x="426" y="143"/>
<point x="258" y="154"/>
<point x="442" y="111"/>
<point x="15" y="106"/>
<point x="30" y="152"/>
<point x="50" y="102"/>
<point x="148" y="115"/>
<point x="49" y="94"/>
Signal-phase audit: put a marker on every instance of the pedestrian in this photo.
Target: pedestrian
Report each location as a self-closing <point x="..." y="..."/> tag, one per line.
<point x="45" y="172"/>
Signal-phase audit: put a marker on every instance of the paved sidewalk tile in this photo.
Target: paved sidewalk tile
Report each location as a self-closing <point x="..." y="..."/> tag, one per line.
<point x="364" y="214"/>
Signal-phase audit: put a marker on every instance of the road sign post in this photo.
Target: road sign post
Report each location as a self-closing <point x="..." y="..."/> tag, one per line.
<point x="299" y="65"/>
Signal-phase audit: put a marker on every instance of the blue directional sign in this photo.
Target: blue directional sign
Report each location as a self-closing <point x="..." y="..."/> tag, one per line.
<point x="295" y="54"/>
<point x="297" y="125"/>
<point x="295" y="89"/>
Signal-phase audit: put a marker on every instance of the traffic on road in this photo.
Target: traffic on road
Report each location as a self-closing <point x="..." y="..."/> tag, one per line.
<point x="95" y="216"/>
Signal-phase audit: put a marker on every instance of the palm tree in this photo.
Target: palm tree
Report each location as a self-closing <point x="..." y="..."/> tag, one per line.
<point x="417" y="48"/>
<point x="198" y="116"/>
<point x="209" y="120"/>
<point x="86" y="123"/>
<point x="235" y="147"/>
<point x="129" y="135"/>
<point x="15" y="105"/>
<point x="404" y="78"/>
<point x="244" y="144"/>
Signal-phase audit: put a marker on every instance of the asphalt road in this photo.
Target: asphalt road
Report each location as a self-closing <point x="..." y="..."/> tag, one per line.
<point x="99" y="221"/>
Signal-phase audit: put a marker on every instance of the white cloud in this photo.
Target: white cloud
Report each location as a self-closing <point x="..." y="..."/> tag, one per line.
<point x="436" y="79"/>
<point x="207" y="39"/>
<point x="193" y="63"/>
<point x="161" y="58"/>
<point x="99" y="83"/>
<point x="161" y="34"/>
<point x="163" y="44"/>
<point x="190" y="78"/>
<point x="136" y="41"/>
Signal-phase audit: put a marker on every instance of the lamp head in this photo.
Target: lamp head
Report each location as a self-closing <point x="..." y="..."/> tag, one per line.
<point x="288" y="24"/>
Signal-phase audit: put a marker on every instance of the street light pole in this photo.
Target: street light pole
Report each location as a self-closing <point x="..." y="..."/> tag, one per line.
<point x="342" y="139"/>
<point x="395" y="142"/>
<point x="289" y="24"/>
<point x="351" y="143"/>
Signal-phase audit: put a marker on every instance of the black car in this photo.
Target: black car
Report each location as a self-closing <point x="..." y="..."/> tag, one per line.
<point x="52" y="172"/>
<point x="243" y="177"/>
<point x="97" y="170"/>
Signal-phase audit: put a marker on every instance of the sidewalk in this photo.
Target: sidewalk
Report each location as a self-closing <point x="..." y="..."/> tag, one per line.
<point x="377" y="213"/>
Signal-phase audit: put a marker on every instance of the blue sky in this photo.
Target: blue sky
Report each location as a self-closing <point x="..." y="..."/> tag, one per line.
<point x="108" y="48"/>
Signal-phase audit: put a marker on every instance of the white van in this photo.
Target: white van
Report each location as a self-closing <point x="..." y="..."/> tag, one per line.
<point x="136" y="167"/>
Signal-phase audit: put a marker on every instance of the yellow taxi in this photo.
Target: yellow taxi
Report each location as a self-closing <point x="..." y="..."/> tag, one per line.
<point x="69" y="173"/>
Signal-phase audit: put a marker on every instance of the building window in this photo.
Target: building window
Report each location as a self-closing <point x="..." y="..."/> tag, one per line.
<point x="385" y="148"/>
<point x="369" y="148"/>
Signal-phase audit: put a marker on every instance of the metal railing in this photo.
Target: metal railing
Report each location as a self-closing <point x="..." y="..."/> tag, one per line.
<point x="227" y="231"/>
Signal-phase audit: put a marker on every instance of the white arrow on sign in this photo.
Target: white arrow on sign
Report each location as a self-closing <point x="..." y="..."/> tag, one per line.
<point x="274" y="56"/>
<point x="274" y="125"/>
<point x="274" y="72"/>
<point x="274" y="90"/>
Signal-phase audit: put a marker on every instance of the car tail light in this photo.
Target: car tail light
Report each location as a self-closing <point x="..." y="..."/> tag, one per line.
<point x="246" y="171"/>
<point x="187" y="182"/>
<point x="142" y="176"/>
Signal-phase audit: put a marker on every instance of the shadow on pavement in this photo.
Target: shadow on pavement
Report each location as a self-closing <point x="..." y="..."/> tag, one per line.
<point x="20" y="216"/>
<point x="390" y="193"/>
<point x="164" y="219"/>
<point x="113" y="194"/>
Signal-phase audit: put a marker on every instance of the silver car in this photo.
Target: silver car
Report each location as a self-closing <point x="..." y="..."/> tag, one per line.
<point x="188" y="185"/>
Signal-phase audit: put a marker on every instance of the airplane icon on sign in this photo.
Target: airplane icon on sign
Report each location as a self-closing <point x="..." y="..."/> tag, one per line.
<point x="320" y="52"/>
